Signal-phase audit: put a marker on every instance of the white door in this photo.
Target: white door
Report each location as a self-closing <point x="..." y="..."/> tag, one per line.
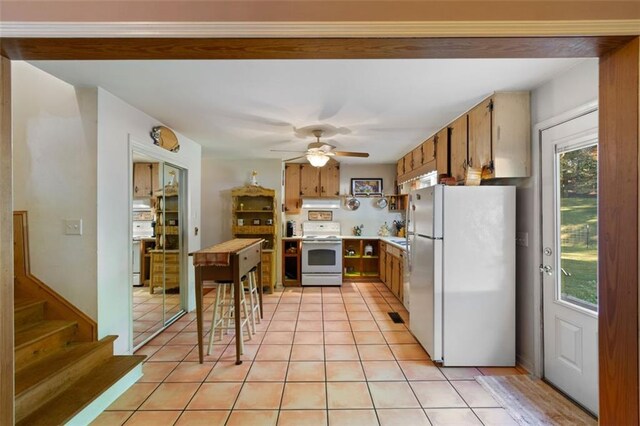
<point x="570" y="257"/>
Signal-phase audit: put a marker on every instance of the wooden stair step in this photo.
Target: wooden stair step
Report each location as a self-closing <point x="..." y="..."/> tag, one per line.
<point x="43" y="338"/>
<point x="27" y="311"/>
<point x="47" y="378"/>
<point x="90" y="386"/>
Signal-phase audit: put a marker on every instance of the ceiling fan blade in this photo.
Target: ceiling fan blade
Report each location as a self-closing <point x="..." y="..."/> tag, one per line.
<point x="286" y="150"/>
<point x="294" y="158"/>
<point x="350" y="154"/>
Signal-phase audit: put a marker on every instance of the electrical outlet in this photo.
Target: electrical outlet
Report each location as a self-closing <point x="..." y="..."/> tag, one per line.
<point x="73" y="227"/>
<point x="522" y="239"/>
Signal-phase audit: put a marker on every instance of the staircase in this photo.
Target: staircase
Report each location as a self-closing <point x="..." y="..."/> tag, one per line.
<point x="60" y="368"/>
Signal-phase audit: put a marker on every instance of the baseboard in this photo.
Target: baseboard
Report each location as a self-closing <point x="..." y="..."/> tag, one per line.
<point x="93" y="410"/>
<point x="525" y="364"/>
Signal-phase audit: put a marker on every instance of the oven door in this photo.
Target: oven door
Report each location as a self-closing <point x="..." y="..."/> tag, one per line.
<point x="322" y="257"/>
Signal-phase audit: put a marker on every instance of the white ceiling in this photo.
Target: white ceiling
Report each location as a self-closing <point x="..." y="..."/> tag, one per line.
<point x="242" y="109"/>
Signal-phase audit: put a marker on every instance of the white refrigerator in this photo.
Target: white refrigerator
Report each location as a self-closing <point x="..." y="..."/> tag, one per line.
<point x="462" y="291"/>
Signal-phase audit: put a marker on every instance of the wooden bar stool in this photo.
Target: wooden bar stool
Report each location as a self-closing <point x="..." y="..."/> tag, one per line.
<point x="254" y="299"/>
<point x="224" y="314"/>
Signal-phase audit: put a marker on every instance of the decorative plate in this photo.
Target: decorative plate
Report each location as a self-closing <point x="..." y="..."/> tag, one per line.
<point x="165" y="138"/>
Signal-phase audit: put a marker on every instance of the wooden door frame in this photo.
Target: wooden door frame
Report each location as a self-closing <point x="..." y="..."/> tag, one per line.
<point x="619" y="137"/>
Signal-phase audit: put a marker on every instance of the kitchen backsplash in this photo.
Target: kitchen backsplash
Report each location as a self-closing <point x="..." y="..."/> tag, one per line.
<point x="369" y="215"/>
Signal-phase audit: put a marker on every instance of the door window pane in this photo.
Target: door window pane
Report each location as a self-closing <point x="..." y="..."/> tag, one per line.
<point x="578" y="199"/>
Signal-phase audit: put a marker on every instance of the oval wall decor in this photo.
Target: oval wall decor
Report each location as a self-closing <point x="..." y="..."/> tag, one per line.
<point x="165" y="138"/>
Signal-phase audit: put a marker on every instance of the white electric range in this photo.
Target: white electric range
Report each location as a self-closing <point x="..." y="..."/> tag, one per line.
<point x="321" y="254"/>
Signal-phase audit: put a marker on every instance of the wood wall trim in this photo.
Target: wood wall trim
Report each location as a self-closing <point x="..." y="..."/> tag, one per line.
<point x="307" y="48"/>
<point x="289" y="29"/>
<point x="618" y="235"/>
<point x="6" y="249"/>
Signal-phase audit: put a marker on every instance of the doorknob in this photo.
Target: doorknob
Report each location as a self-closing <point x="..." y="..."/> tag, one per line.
<point x="546" y="269"/>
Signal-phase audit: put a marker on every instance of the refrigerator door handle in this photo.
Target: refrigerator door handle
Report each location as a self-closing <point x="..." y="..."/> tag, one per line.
<point x="431" y="238"/>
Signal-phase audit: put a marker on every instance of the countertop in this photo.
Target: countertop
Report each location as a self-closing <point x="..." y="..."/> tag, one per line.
<point x="388" y="240"/>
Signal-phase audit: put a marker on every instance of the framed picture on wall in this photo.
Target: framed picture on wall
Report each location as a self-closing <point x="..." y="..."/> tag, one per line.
<point x="366" y="186"/>
<point x="320" y="215"/>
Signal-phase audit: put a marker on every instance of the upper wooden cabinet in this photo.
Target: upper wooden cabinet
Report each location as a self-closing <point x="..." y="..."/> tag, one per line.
<point x="304" y="180"/>
<point x="330" y="180"/>
<point x="458" y="147"/>
<point x="399" y="169"/>
<point x="145" y="179"/>
<point x="417" y="157"/>
<point x="428" y="150"/>
<point x="442" y="151"/>
<point x="292" y="188"/>
<point x="480" y="135"/>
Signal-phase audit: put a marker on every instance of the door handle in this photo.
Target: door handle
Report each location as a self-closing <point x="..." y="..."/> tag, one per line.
<point x="547" y="269"/>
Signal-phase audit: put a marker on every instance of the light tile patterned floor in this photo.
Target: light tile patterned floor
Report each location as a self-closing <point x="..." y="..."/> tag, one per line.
<point x="321" y="356"/>
<point x="147" y="312"/>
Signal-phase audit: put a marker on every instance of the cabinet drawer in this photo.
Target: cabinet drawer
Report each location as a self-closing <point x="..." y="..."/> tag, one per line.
<point x="168" y="268"/>
<point x="248" y="259"/>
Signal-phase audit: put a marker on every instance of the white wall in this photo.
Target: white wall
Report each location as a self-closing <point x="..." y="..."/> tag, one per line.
<point x="54" y="139"/>
<point x="219" y="177"/>
<point x="571" y="89"/>
<point x="367" y="214"/>
<point x="118" y="123"/>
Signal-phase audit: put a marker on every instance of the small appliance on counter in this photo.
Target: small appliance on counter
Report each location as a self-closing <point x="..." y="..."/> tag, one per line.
<point x="291" y="226"/>
<point x="368" y="250"/>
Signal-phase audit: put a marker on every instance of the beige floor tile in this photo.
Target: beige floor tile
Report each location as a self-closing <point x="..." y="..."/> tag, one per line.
<point x="310" y="316"/>
<point x="344" y="371"/>
<point x="311" y="307"/>
<point x="360" y="316"/>
<point x="133" y="397"/>
<point x="348" y="395"/>
<point x="259" y="396"/>
<point x="285" y="316"/>
<point x="337" y="326"/>
<point x="352" y="418"/>
<point x="369" y="338"/>
<point x="306" y="371"/>
<point x="335" y="316"/>
<point x="364" y="326"/>
<point x="155" y="418"/>
<point x="215" y="396"/>
<point x="382" y="371"/>
<point x="273" y="353"/>
<point x="421" y="370"/>
<point x="341" y="353"/>
<point x="402" y="417"/>
<point x="308" y="338"/>
<point x="203" y="418"/>
<point x="409" y="352"/>
<point x="249" y="352"/>
<point x="399" y="337"/>
<point x="375" y="353"/>
<point x="307" y="353"/>
<point x="338" y="338"/>
<point x="111" y="418"/>
<point x="452" y="417"/>
<point x="309" y="326"/>
<point x="253" y="418"/>
<point x="278" y="338"/>
<point x="268" y="371"/>
<point x="495" y="417"/>
<point x="301" y="396"/>
<point x="170" y="396"/>
<point x="393" y="395"/>
<point x="474" y="394"/>
<point x="171" y="353"/>
<point x="460" y="373"/>
<point x="155" y="372"/>
<point x="226" y="371"/>
<point x="302" y="418"/>
<point x="190" y="372"/>
<point x="282" y="326"/>
<point x="437" y="394"/>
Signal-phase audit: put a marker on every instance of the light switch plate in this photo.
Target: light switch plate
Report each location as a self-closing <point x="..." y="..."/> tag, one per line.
<point x="522" y="239"/>
<point x="73" y="227"/>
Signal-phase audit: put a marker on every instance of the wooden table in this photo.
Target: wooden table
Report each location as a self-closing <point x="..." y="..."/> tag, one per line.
<point x="228" y="261"/>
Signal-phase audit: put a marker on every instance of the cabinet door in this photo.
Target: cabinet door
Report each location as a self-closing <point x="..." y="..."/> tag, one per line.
<point x="330" y="180"/>
<point x="309" y="180"/>
<point x="399" y="169"/>
<point x="408" y="163"/>
<point x="442" y="151"/>
<point x="395" y="269"/>
<point x="417" y="157"/>
<point x="428" y="150"/>
<point x="382" y="262"/>
<point x="142" y="180"/>
<point x="480" y="135"/>
<point x="389" y="270"/>
<point x="458" y="147"/>
<point x="401" y="277"/>
<point x="292" y="188"/>
<point x="155" y="177"/>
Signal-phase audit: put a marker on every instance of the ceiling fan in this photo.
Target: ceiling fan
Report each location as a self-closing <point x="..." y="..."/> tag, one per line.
<point x="318" y="153"/>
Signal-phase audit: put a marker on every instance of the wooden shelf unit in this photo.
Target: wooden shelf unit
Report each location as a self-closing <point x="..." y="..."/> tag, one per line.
<point x="359" y="267"/>
<point x="255" y="202"/>
<point x="398" y="203"/>
<point x="291" y="262"/>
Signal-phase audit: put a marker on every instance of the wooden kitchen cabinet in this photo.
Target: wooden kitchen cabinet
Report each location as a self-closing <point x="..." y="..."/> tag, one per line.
<point x="309" y="181"/>
<point x="382" y="262"/>
<point x="291" y="262"/>
<point x="442" y="151"/>
<point x="417" y="157"/>
<point x="428" y="150"/>
<point x="399" y="170"/>
<point x="480" y="135"/>
<point x="145" y="179"/>
<point x="388" y="265"/>
<point x="330" y="180"/>
<point x="292" y="188"/>
<point x="458" y="147"/>
<point x="408" y="163"/>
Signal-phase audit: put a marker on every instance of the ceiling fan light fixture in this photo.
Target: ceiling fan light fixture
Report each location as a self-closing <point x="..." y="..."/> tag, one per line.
<point x="317" y="159"/>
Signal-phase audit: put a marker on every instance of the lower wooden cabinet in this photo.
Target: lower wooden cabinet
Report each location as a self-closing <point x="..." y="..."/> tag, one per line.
<point x="382" y="264"/>
<point x="165" y="269"/>
<point x="268" y="269"/>
<point x="393" y="276"/>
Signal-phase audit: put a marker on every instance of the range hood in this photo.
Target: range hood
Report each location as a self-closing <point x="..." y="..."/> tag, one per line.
<point x="320" y="203"/>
